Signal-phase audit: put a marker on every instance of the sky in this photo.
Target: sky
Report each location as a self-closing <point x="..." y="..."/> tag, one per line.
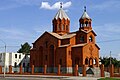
<point x="25" y="20"/>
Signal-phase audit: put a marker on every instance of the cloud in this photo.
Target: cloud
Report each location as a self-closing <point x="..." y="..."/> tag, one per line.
<point x="46" y="5"/>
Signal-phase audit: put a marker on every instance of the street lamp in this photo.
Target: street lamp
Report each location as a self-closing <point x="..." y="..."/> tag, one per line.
<point x="4" y="57"/>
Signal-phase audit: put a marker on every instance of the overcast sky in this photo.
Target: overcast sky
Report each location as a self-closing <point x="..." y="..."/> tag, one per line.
<point x="25" y="20"/>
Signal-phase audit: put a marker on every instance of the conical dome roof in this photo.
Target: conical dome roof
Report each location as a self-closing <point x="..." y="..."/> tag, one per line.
<point x="61" y="14"/>
<point x="85" y="15"/>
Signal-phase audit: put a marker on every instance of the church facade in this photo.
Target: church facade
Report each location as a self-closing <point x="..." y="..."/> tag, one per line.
<point x="65" y="48"/>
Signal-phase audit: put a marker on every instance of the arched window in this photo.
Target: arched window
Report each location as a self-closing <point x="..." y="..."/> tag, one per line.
<point x="86" y="23"/>
<point x="90" y="62"/>
<point x="66" y="27"/>
<point x="62" y="28"/>
<point x="94" y="61"/>
<point x="90" y="39"/>
<point x="82" y="39"/>
<point x="90" y="24"/>
<point x="58" y="27"/>
<point x="86" y="61"/>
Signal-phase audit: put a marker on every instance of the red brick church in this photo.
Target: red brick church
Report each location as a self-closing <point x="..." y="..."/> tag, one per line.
<point x="64" y="47"/>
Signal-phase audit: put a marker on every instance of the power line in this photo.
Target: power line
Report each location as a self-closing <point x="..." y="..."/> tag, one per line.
<point x="108" y="41"/>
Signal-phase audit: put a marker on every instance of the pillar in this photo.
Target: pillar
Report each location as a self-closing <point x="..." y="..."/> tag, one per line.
<point x="84" y="70"/>
<point x="59" y="66"/>
<point x="119" y="70"/>
<point x="102" y="70"/>
<point x="32" y="69"/>
<point x="20" y="69"/>
<point x="111" y="70"/>
<point x="10" y="69"/>
<point x="0" y="69"/>
<point x="45" y="69"/>
<point x="76" y="70"/>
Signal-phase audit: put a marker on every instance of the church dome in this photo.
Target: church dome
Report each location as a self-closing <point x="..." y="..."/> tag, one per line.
<point x="85" y="15"/>
<point x="61" y="14"/>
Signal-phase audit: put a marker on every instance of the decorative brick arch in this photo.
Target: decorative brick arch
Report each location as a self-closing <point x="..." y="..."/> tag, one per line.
<point x="91" y="62"/>
<point x="86" y="61"/>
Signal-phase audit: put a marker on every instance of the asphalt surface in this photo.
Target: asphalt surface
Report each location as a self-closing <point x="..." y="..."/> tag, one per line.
<point x="43" y="77"/>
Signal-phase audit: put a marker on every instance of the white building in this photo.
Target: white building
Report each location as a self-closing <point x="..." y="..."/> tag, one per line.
<point x="15" y="60"/>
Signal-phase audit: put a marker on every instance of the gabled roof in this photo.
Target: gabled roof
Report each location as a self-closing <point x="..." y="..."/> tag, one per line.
<point x="55" y="35"/>
<point x="66" y="36"/>
<point x="97" y="46"/>
<point x="79" y="45"/>
<point x="61" y="14"/>
<point x="64" y="45"/>
<point x="69" y="35"/>
<point x="89" y="31"/>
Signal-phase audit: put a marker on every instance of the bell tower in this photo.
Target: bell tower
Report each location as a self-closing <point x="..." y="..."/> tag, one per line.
<point x="85" y="21"/>
<point x="61" y="22"/>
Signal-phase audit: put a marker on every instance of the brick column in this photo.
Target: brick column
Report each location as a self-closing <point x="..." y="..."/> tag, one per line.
<point x="20" y="69"/>
<point x="45" y="69"/>
<point x="119" y="70"/>
<point x="32" y="69"/>
<point x="102" y="70"/>
<point x="59" y="66"/>
<point x="76" y="70"/>
<point x="10" y="69"/>
<point x="84" y="70"/>
<point x="0" y="69"/>
<point x="111" y="70"/>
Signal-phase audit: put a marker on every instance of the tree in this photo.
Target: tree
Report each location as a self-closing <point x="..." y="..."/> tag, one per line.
<point x="106" y="61"/>
<point x="25" y="48"/>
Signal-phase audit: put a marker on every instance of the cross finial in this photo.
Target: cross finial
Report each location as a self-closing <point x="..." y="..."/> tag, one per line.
<point x="84" y="8"/>
<point x="60" y="4"/>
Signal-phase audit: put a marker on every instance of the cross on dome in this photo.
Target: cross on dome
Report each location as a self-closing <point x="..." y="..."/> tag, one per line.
<point x="84" y="8"/>
<point x="61" y="4"/>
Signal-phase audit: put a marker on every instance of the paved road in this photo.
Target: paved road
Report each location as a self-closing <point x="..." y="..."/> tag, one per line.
<point x="43" y="77"/>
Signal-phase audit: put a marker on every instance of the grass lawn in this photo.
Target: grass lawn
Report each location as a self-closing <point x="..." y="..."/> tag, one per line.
<point x="109" y="79"/>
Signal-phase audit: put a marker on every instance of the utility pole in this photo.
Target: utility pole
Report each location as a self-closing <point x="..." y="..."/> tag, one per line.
<point x="4" y="58"/>
<point x="110" y="58"/>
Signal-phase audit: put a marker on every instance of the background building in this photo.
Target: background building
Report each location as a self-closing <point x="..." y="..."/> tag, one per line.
<point x="15" y="60"/>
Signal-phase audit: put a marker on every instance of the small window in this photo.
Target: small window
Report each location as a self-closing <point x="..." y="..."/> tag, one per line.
<point x="82" y="39"/>
<point x="15" y="55"/>
<point x="19" y="56"/>
<point x="90" y="39"/>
